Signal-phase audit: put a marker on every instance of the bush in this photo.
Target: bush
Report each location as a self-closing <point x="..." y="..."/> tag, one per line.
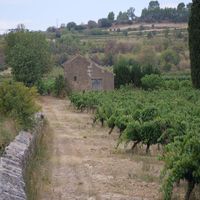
<point x="18" y="102"/>
<point x="52" y="86"/>
<point x="169" y="57"/>
<point x="45" y="86"/>
<point x="172" y="84"/>
<point x="59" y="86"/>
<point x="152" y="81"/>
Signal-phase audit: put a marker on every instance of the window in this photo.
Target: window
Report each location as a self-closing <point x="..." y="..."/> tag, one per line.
<point x="97" y="84"/>
<point x="75" y="78"/>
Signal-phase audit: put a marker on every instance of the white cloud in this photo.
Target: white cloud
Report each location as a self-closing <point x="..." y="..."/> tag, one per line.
<point x="5" y="25"/>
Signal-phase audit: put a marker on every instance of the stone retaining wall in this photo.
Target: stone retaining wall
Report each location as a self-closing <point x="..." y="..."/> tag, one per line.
<point x="14" y="161"/>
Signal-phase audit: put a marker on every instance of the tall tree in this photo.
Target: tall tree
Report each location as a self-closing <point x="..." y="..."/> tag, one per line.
<point x="194" y="41"/>
<point x="122" y="17"/>
<point x="180" y="6"/>
<point x="27" y="53"/>
<point x="111" y="16"/>
<point x="153" y="5"/>
<point x="131" y="13"/>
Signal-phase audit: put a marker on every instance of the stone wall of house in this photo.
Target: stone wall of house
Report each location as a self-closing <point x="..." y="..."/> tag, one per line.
<point x="76" y="74"/>
<point x="14" y="161"/>
<point x="80" y="71"/>
<point x="106" y="76"/>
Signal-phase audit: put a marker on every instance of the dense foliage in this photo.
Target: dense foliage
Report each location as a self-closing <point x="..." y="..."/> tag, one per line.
<point x="182" y="161"/>
<point x="168" y="116"/>
<point x="194" y="41"/>
<point x="129" y="71"/>
<point x="59" y="86"/>
<point x="53" y="84"/>
<point x="156" y="14"/>
<point x="18" y="103"/>
<point x="27" y="53"/>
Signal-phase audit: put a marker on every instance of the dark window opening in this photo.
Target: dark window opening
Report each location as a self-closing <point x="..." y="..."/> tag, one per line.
<point x="75" y="78"/>
<point x="97" y="84"/>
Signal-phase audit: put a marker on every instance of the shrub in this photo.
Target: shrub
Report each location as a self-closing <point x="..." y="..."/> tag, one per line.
<point x="172" y="84"/>
<point x="169" y="57"/>
<point x="45" y="86"/>
<point x="152" y="81"/>
<point x="18" y="102"/>
<point x="166" y="67"/>
<point x="59" y="86"/>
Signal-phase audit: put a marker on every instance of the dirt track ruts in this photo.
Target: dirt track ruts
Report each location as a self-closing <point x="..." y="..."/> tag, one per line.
<point x="84" y="163"/>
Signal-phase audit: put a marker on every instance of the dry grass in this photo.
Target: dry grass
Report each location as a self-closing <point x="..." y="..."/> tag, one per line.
<point x="38" y="172"/>
<point x="149" y="25"/>
<point x="6" y="72"/>
<point x="8" y="132"/>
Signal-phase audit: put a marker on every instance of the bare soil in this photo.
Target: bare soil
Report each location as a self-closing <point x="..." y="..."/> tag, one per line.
<point x="86" y="166"/>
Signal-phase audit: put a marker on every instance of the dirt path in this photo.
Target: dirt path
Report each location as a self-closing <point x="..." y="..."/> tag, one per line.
<point x="85" y="165"/>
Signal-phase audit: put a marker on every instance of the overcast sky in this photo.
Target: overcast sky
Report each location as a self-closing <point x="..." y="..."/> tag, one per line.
<point x="40" y="14"/>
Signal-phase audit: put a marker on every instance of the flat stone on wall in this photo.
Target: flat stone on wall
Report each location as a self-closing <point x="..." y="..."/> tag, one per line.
<point x="14" y="161"/>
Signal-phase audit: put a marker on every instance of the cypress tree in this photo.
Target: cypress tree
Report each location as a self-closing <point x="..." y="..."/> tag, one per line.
<point x="194" y="42"/>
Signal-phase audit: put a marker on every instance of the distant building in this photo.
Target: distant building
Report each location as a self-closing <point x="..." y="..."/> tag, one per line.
<point x="83" y="74"/>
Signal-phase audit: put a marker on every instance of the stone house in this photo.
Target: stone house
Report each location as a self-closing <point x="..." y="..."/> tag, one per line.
<point x="82" y="74"/>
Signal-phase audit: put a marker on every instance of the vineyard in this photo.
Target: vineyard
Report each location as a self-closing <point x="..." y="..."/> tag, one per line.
<point x="168" y="118"/>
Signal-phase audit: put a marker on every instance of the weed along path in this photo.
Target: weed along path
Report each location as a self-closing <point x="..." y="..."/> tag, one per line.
<point x="84" y="164"/>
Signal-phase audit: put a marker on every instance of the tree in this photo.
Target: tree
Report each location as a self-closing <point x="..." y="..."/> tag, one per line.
<point x="122" y="18"/>
<point x="122" y="72"/>
<point x="104" y="23"/>
<point x="20" y="27"/>
<point x="153" y="5"/>
<point x="189" y="5"/>
<point x="194" y="41"/>
<point x="71" y="25"/>
<point x="131" y="13"/>
<point x="27" y="53"/>
<point x="180" y="6"/>
<point x="51" y="29"/>
<point x="92" y="24"/>
<point x="111" y="16"/>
